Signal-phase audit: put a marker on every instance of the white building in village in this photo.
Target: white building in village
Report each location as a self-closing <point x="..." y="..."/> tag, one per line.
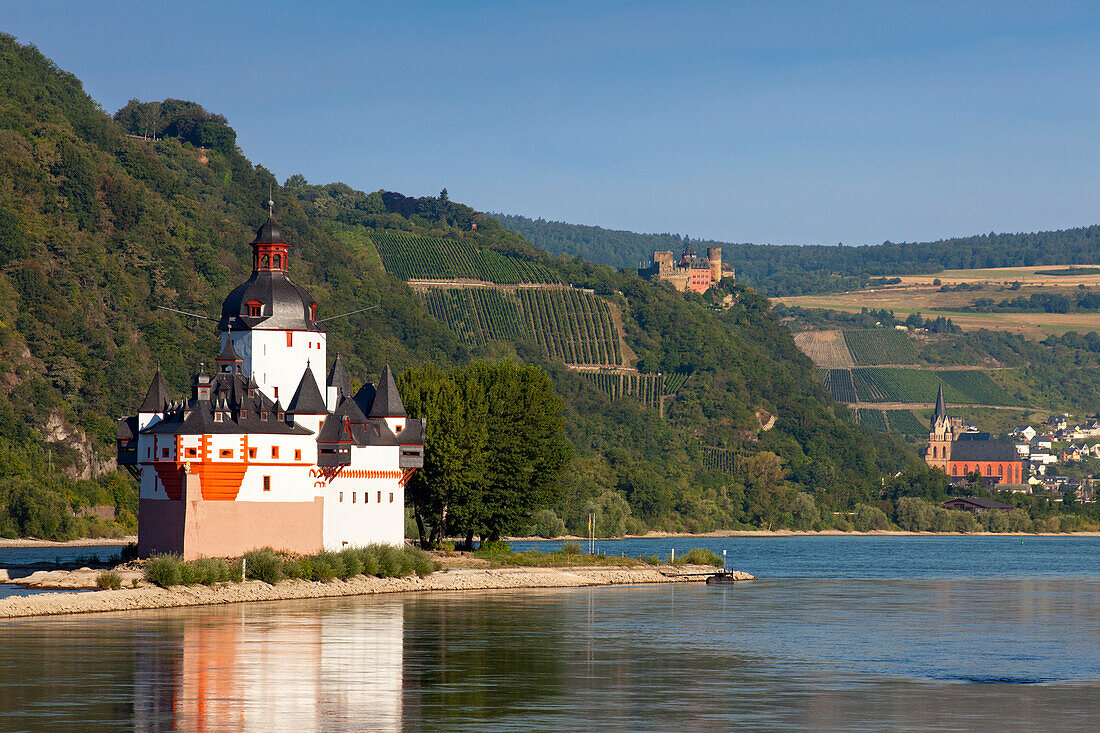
<point x="262" y="452"/>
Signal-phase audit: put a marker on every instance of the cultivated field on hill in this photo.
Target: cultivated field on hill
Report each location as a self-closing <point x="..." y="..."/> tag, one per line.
<point x="880" y="346"/>
<point x="825" y="348"/>
<point x="572" y="325"/>
<point x="415" y="257"/>
<point x="863" y="385"/>
<point x="918" y="294"/>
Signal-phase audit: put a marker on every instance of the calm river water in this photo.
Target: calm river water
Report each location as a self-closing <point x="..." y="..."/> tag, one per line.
<point x="854" y="633"/>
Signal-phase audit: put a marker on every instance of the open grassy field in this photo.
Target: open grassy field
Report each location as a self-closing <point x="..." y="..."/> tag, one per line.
<point x="916" y="294"/>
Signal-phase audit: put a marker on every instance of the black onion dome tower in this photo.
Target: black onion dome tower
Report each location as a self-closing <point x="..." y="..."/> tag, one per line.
<point x="269" y="299"/>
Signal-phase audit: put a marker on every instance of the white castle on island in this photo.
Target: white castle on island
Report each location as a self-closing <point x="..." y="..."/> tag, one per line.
<point x="263" y="453"/>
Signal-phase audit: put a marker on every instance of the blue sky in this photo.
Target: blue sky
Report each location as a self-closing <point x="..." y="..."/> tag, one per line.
<point x="770" y="122"/>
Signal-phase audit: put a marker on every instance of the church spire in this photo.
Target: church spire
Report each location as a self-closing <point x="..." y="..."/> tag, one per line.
<point x="941" y="405"/>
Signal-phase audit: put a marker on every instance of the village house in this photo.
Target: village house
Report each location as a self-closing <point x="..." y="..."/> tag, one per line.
<point x="975" y="504"/>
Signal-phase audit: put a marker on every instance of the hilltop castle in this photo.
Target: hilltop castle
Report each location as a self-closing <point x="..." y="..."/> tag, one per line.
<point x="959" y="453"/>
<point x="230" y="468"/>
<point x="690" y="272"/>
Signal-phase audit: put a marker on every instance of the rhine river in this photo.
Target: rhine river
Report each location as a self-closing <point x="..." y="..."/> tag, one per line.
<point x="840" y="633"/>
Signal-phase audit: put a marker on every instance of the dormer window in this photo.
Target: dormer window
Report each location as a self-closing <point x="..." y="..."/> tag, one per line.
<point x="263" y="416"/>
<point x="218" y="417"/>
<point x="313" y="312"/>
<point x="255" y="309"/>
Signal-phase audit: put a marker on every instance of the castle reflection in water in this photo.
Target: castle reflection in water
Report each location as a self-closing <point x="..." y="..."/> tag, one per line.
<point x="274" y="671"/>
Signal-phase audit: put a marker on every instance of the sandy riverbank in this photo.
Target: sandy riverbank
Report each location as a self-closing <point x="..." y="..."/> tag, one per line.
<point x="456" y="579"/>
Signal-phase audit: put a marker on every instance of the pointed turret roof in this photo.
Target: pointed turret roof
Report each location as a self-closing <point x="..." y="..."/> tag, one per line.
<point x="307" y="398"/>
<point x="157" y="398"/>
<point x="387" y="403"/>
<point x="228" y="353"/>
<point x="338" y="378"/>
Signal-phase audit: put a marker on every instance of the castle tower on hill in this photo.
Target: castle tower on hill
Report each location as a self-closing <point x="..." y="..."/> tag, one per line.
<point x="690" y="272"/>
<point x="263" y="452"/>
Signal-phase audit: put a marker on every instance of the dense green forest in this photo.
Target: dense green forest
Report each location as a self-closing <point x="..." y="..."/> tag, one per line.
<point x="100" y="224"/>
<point x="800" y="270"/>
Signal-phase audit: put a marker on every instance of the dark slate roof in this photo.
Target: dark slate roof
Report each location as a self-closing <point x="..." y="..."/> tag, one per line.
<point x="387" y="403"/>
<point x="414" y="432"/>
<point x="157" y="398"/>
<point x="269" y="233"/>
<point x="335" y="430"/>
<point x="983" y="450"/>
<point x="974" y="436"/>
<point x="376" y="432"/>
<point x="307" y="398"/>
<point x="126" y="428"/>
<point x="346" y="407"/>
<point x="338" y="377"/>
<point x="241" y="412"/>
<point x="941" y="406"/>
<point x="364" y="398"/>
<point x="228" y="353"/>
<point x="981" y="502"/>
<point x="285" y="304"/>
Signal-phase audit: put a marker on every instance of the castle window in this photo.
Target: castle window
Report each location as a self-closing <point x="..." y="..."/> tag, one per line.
<point x="163" y="452"/>
<point x="251" y="452"/>
<point x="297" y="455"/>
<point x="391" y="497"/>
<point x="341" y="496"/>
<point x="379" y="497"/>
<point x="263" y="262"/>
<point x="274" y="451"/>
<point x="225" y="453"/>
<point x="353" y="497"/>
<point x="218" y="417"/>
<point x="255" y="309"/>
<point x="192" y="453"/>
<point x="278" y="260"/>
<point x="267" y="483"/>
<point x="263" y="415"/>
<point x="313" y="312"/>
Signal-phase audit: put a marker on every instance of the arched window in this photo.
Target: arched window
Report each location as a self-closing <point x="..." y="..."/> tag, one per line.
<point x="277" y="262"/>
<point x="1001" y="471"/>
<point x="264" y="262"/>
<point x="955" y="470"/>
<point x="988" y="470"/>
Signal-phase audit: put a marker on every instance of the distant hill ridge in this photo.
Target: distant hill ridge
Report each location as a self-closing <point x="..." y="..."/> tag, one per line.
<point x="777" y="270"/>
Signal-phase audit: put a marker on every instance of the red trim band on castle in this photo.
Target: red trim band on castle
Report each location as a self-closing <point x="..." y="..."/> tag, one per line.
<point x="230" y="469"/>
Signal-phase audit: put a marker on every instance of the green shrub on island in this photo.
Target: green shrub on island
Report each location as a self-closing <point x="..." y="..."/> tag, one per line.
<point x="571" y="547"/>
<point x="108" y="580"/>
<point x="701" y="556"/>
<point x="163" y="570"/>
<point x="547" y="524"/>
<point x="382" y="561"/>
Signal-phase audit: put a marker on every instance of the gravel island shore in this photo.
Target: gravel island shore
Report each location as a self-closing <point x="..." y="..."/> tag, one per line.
<point x="453" y="579"/>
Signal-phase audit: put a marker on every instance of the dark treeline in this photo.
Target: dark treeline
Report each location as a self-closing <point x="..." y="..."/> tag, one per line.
<point x="797" y="270"/>
<point x="1083" y="301"/>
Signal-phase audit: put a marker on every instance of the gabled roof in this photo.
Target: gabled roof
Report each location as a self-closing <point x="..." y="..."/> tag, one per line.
<point x="980" y="502"/>
<point x="346" y="407"/>
<point x="413" y="433"/>
<point x="983" y="450"/>
<point x="157" y="398"/>
<point x="307" y="398"/>
<point x="338" y="378"/>
<point x="335" y="430"/>
<point x="387" y="403"/>
<point x="364" y="398"/>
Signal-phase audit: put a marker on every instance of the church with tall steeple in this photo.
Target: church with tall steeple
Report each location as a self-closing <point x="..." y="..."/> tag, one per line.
<point x="961" y="453"/>
<point x="264" y="451"/>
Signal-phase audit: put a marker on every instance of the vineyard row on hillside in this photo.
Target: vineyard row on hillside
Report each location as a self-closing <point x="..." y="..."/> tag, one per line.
<point x="646" y="388"/>
<point x="891" y="384"/>
<point x="880" y="346"/>
<point x="415" y="257"/>
<point x="898" y="421"/>
<point x="573" y="326"/>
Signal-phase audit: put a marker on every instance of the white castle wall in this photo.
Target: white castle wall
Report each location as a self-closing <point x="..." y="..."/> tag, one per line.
<point x="359" y="510"/>
<point x="278" y="367"/>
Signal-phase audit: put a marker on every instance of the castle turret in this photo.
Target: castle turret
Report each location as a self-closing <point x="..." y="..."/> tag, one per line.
<point x="714" y="256"/>
<point x="156" y="402"/>
<point x="387" y="402"/>
<point x="271" y="321"/>
<point x="338" y="384"/>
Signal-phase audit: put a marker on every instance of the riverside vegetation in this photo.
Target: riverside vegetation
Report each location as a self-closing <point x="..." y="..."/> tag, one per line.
<point x="380" y="561"/>
<point x="100" y="222"/>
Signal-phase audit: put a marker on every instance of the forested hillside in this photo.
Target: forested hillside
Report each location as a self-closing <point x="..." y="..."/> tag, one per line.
<point x="801" y="270"/>
<point x="100" y="224"/>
